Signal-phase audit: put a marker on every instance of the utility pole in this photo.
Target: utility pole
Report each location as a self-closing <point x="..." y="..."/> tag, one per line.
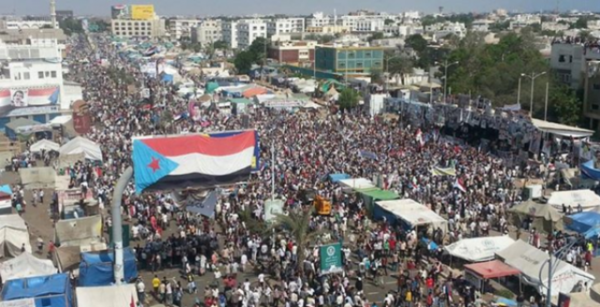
<point x="533" y="76"/>
<point x="446" y="65"/>
<point x="273" y="171"/>
<point x="519" y="92"/>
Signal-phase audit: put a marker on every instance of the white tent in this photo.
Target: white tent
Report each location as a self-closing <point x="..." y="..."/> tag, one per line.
<point x="107" y="296"/>
<point x="45" y="145"/>
<point x="587" y="198"/>
<point x="78" y="145"/>
<point x="411" y="212"/>
<point x="61" y="120"/>
<point x="357" y="183"/>
<point x="478" y="249"/>
<point x="26" y="265"/>
<point x="532" y="264"/>
<point x="13" y="235"/>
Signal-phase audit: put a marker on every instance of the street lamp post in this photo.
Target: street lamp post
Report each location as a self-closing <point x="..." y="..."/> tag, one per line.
<point x="533" y="76"/>
<point x="519" y="92"/>
<point x="446" y="65"/>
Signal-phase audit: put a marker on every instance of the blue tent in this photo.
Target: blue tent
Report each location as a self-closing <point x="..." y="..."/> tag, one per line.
<point x="96" y="269"/>
<point x="6" y="189"/>
<point x="588" y="170"/>
<point x="47" y="291"/>
<point x="338" y="177"/>
<point x="584" y="222"/>
<point x="167" y="78"/>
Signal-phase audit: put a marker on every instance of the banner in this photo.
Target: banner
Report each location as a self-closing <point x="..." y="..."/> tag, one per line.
<point x="26" y="302"/>
<point x="273" y="208"/>
<point x="331" y="258"/>
<point x="29" y="97"/>
<point x="142" y="12"/>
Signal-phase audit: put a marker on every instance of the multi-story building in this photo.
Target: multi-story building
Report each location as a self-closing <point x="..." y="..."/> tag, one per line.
<point x="31" y="82"/>
<point x="450" y="28"/>
<point x="319" y="19"/>
<point x="362" y="23"/>
<point x="138" y="28"/>
<point x="24" y="24"/>
<point x="136" y="21"/>
<point x="554" y="26"/>
<point x="578" y="66"/>
<point x="297" y="53"/>
<point x="179" y="28"/>
<point x="250" y="29"/>
<point x="208" y="32"/>
<point x="230" y="33"/>
<point x="524" y="20"/>
<point x="33" y="36"/>
<point x="285" y="25"/>
<point x="349" y="60"/>
<point x="481" y="25"/>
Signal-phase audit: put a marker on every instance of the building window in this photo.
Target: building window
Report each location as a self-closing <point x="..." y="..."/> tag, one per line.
<point x="47" y="74"/>
<point x="41" y="74"/>
<point x="561" y="58"/>
<point x="26" y="76"/>
<point x="570" y="59"/>
<point x="596" y="86"/>
<point x="53" y="74"/>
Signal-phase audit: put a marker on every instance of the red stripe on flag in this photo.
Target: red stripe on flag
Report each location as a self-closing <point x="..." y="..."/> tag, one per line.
<point x="41" y="91"/>
<point x="190" y="144"/>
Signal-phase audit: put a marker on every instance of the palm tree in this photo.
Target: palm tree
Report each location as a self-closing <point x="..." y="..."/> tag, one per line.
<point x="297" y="224"/>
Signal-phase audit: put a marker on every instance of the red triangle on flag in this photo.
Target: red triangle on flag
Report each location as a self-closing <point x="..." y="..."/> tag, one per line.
<point x="132" y="304"/>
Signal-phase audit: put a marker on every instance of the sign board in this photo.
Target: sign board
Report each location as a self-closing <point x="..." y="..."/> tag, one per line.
<point x="331" y="258"/>
<point x="272" y="208"/>
<point x="26" y="302"/>
<point x="142" y="12"/>
<point x="82" y="120"/>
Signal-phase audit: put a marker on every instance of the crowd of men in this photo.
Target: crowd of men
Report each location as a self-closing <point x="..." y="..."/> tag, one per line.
<point x="309" y="146"/>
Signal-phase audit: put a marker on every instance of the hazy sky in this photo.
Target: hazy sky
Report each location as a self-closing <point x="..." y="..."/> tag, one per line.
<point x="243" y="7"/>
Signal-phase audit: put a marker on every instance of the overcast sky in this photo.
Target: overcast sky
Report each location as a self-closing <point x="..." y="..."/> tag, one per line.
<point x="246" y="7"/>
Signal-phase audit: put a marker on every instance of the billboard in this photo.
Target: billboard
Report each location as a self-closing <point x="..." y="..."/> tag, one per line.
<point x="256" y="157"/>
<point x="119" y="11"/>
<point x="142" y="12"/>
<point x="29" y="97"/>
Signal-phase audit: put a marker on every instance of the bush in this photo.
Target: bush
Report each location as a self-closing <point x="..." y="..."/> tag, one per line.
<point x="505" y="293"/>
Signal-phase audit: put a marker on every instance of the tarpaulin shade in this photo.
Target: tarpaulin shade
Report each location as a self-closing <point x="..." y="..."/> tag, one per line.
<point x="379" y="194"/>
<point x="410" y="212"/>
<point x="492" y="269"/>
<point x="254" y="91"/>
<point x="26" y="265"/>
<point x="47" y="291"/>
<point x="586" y="198"/>
<point x="583" y="222"/>
<point x="357" y="183"/>
<point x="124" y="295"/>
<point x="338" y="177"/>
<point x="96" y="269"/>
<point x="13" y="235"/>
<point x="478" y="249"/>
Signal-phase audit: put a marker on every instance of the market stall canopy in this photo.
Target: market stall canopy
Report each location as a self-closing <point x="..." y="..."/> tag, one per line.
<point x="21" y="122"/>
<point x="13" y="235"/>
<point x="590" y="171"/>
<point x="544" y="216"/>
<point x="107" y="296"/>
<point x="38" y="177"/>
<point x="338" y="177"/>
<point x="61" y="120"/>
<point x="251" y="92"/>
<point x="357" y="183"/>
<point x="492" y="269"/>
<point x="411" y="212"/>
<point x="45" y="145"/>
<point x="79" y="232"/>
<point x="588" y="199"/>
<point x="478" y="249"/>
<point x="532" y="261"/>
<point x="560" y="129"/>
<point x="26" y="265"/>
<point x="67" y="257"/>
<point x="46" y="291"/>
<point x="79" y="144"/>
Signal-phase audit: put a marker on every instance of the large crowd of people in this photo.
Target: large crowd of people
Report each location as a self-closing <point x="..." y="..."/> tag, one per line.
<point x="309" y="145"/>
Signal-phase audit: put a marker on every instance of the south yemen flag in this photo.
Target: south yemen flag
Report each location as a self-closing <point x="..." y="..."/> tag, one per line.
<point x="176" y="162"/>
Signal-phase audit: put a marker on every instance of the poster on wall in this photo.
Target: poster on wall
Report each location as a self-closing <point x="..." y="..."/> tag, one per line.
<point x="82" y="121"/>
<point x="29" y="97"/>
<point x="19" y="98"/>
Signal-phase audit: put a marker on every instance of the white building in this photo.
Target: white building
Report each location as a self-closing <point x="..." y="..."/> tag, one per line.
<point x="554" y="26"/>
<point x="285" y="25"/>
<point x="25" y="24"/>
<point x="481" y="25"/>
<point x="319" y="19"/>
<point x="363" y="23"/>
<point x="182" y="27"/>
<point x="248" y="30"/>
<point x="126" y="28"/>
<point x="454" y="28"/>
<point x="230" y="33"/>
<point x="524" y="20"/>
<point x="208" y="32"/>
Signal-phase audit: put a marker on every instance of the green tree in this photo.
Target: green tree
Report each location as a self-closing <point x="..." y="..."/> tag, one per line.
<point x="221" y="45"/>
<point x="388" y="22"/>
<point x="417" y="43"/>
<point x="499" y="26"/>
<point x="400" y="67"/>
<point x="376" y="76"/>
<point x="581" y="23"/>
<point x="243" y="62"/>
<point x="71" y="25"/>
<point x="297" y="225"/>
<point x="375" y="36"/>
<point x="565" y="105"/>
<point x="348" y="98"/>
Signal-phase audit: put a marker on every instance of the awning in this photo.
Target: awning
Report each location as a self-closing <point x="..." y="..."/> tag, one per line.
<point x="61" y="120"/>
<point x="492" y="269"/>
<point x="338" y="177"/>
<point x="560" y="129"/>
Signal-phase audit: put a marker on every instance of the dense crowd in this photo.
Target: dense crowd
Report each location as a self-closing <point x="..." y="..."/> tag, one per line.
<point x="309" y="145"/>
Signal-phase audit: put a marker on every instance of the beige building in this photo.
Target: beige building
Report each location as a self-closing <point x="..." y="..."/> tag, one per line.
<point x="126" y="28"/>
<point x="208" y="32"/>
<point x="328" y="29"/>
